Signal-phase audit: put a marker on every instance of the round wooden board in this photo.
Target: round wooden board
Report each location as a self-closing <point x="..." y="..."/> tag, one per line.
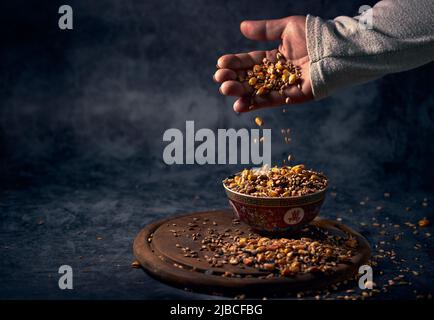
<point x="155" y="248"/>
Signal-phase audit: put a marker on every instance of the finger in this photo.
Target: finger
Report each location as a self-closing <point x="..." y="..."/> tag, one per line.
<point x="241" y="60"/>
<point x="235" y="88"/>
<point x="222" y="75"/>
<point x="263" y="29"/>
<point x="247" y="103"/>
<point x="273" y="99"/>
<point x="243" y="104"/>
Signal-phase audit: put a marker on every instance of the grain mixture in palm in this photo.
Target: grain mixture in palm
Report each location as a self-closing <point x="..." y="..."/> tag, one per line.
<point x="269" y="76"/>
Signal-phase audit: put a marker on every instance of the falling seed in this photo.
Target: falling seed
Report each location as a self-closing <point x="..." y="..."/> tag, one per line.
<point x="288" y="100"/>
<point x="136" y="264"/>
<point x="259" y="121"/>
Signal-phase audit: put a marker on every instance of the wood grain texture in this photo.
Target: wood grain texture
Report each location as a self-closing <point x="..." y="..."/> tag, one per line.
<point x="155" y="248"/>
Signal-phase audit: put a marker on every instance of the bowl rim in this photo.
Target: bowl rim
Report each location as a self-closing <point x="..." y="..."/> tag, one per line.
<point x="306" y="196"/>
<point x="276" y="198"/>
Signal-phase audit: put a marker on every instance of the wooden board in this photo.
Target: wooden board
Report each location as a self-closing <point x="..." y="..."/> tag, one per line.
<point x="155" y="248"/>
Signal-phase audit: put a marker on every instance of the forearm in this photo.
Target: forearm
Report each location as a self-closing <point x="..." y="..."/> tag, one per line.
<point x="342" y="53"/>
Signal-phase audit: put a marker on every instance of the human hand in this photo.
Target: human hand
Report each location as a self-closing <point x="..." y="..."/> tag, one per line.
<point x="292" y="32"/>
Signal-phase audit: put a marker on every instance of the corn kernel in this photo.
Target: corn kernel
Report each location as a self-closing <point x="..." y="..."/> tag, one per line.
<point x="259" y="121"/>
<point x="423" y="223"/>
<point x="272" y="193"/>
<point x="245" y="173"/>
<point x="252" y="81"/>
<point x="292" y="78"/>
<point x="261" y="91"/>
<point x="298" y="168"/>
<point x="256" y="68"/>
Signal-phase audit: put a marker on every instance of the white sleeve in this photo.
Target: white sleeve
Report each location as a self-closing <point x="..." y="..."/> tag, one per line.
<point x="344" y="53"/>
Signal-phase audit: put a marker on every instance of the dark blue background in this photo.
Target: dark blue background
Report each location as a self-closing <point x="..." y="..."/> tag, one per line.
<point x="82" y="114"/>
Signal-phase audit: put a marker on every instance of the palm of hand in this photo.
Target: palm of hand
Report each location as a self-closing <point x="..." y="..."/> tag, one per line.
<point x="291" y="31"/>
<point x="294" y="48"/>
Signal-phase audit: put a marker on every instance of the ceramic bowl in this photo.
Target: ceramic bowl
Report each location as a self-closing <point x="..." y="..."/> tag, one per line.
<point x="275" y="215"/>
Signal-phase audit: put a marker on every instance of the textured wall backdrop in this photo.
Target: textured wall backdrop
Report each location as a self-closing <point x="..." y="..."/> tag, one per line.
<point x="82" y="114"/>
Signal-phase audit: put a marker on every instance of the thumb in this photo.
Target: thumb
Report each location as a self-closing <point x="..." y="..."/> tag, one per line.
<point x="263" y="29"/>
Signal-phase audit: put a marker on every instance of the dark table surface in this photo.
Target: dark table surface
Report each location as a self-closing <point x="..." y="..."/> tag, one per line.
<point x="81" y="122"/>
<point x="90" y="225"/>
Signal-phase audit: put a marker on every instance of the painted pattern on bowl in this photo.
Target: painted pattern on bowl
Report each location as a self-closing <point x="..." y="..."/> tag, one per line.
<point x="275" y="214"/>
